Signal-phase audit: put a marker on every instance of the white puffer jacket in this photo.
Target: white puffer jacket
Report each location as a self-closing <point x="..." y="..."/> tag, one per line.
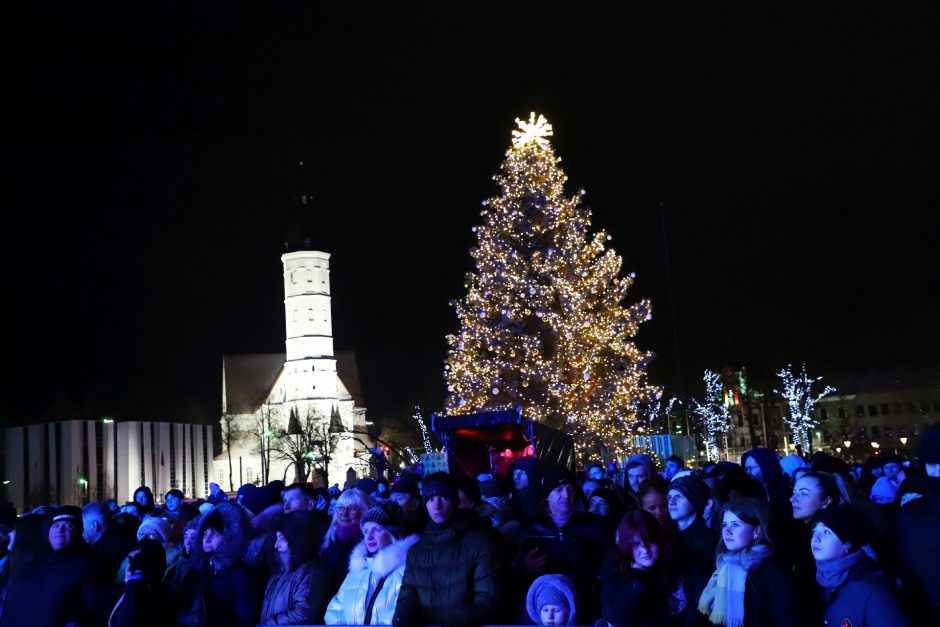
<point x="348" y="607"/>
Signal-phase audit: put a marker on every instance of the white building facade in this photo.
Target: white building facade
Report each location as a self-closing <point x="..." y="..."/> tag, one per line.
<point x="259" y="392"/>
<point x="78" y="461"/>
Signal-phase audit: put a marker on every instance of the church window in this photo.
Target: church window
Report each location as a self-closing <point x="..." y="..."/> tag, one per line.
<point x="295" y="315"/>
<point x="309" y="276"/>
<point x="310" y="314"/>
<point x="293" y="279"/>
<point x="324" y="316"/>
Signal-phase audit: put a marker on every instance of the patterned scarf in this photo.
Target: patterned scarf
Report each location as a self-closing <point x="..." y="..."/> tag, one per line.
<point x="831" y="573"/>
<point x="723" y="598"/>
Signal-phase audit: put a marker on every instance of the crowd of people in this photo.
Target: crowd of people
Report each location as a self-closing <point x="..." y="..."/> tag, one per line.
<point x="769" y="541"/>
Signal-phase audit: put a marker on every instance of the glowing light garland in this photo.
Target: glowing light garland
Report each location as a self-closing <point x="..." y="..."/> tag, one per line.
<point x="716" y="419"/>
<point x="425" y="439"/>
<point x="542" y="324"/>
<point x="798" y="392"/>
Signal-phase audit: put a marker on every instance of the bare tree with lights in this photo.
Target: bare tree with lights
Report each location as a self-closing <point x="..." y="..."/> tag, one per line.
<point x="543" y="324"/>
<point x="798" y="393"/>
<point x="714" y="414"/>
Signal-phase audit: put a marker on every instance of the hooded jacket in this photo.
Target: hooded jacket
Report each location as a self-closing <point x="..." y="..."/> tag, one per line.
<point x="348" y="607"/>
<point x="863" y="599"/>
<point x="230" y="589"/>
<point x="525" y="501"/>
<point x="451" y="577"/>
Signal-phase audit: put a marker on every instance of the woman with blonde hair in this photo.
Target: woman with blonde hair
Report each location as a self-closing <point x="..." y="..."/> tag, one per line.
<point x="343" y="535"/>
<point x="746" y="587"/>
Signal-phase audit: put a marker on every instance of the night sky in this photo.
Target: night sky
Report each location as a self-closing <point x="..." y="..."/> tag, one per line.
<point x="149" y="161"/>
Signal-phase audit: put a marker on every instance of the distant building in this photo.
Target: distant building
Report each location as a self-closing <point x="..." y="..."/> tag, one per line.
<point x="77" y="461"/>
<point x="877" y="411"/>
<point x="261" y="392"/>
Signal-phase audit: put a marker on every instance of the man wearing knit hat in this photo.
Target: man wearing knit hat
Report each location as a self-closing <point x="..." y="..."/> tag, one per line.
<point x="687" y="498"/>
<point x="452" y="573"/>
<point x="407" y="495"/>
<point x="560" y="540"/>
<point x="67" y="587"/>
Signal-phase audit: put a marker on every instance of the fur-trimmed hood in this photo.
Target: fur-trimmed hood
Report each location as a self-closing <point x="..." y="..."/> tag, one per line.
<point x="386" y="560"/>
<point x="234" y="535"/>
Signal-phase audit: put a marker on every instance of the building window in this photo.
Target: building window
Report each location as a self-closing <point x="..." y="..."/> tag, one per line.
<point x="912" y="408"/>
<point x="309" y="276"/>
<point x="876" y="432"/>
<point x="872" y="410"/>
<point x="823" y="414"/>
<point x="324" y="316"/>
<point x="924" y="407"/>
<point x="859" y="411"/>
<point x="310" y="314"/>
<point x="861" y="432"/>
<point x="841" y="412"/>
<point x="888" y="432"/>
<point x="884" y="409"/>
<point x="898" y="408"/>
<point x="828" y="436"/>
<point x="293" y="279"/>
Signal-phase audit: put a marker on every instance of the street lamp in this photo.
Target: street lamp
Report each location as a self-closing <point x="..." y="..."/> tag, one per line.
<point x="875" y="445"/>
<point x="838" y="449"/>
<point x="847" y="443"/>
<point x="903" y="439"/>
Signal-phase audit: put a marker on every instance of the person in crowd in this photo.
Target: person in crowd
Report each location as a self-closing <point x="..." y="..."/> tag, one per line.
<point x="494" y="494"/>
<point x="588" y="487"/>
<point x="157" y="530"/>
<point x="912" y="551"/>
<point x="652" y="495"/>
<point x="468" y="489"/>
<point x="343" y="535"/>
<point x="452" y="576"/>
<point x="216" y="494"/>
<point x="263" y="505"/>
<point x="634" y="575"/>
<point x="747" y="588"/>
<point x="639" y="468"/>
<point x="228" y="587"/>
<point x="295" y="594"/>
<point x="855" y="591"/>
<point x="178" y="573"/>
<point x="764" y="467"/>
<point x="369" y="593"/>
<point x="686" y="500"/>
<point x="812" y="492"/>
<point x="596" y="471"/>
<point x="110" y="541"/>
<point x="173" y="505"/>
<point x="673" y="464"/>
<point x="70" y="586"/>
<point x="28" y="544"/>
<point x="526" y="487"/>
<point x="883" y="491"/>
<point x="299" y="496"/>
<point x="131" y="513"/>
<point x="892" y="469"/>
<point x="561" y="540"/>
<point x="143" y="496"/>
<point x="407" y="495"/>
<point x="551" y="601"/>
<point x="145" y="601"/>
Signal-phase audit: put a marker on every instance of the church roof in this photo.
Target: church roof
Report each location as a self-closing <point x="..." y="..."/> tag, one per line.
<point x="247" y="379"/>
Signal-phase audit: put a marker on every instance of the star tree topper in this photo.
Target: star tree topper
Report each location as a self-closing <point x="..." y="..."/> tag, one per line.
<point x="535" y="130"/>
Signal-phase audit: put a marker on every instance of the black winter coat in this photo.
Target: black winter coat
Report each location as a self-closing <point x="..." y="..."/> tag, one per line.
<point x="632" y="598"/>
<point x="143" y="605"/>
<point x="71" y="586"/>
<point x="452" y="577"/>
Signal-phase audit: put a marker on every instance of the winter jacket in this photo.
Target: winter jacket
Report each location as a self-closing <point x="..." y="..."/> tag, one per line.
<point x="863" y="599"/>
<point x="697" y="539"/>
<point x="769" y="598"/>
<point x="452" y="577"/>
<point x="348" y="607"/>
<point x="295" y="597"/>
<point x="230" y="589"/>
<point x="574" y="550"/>
<point x="143" y="605"/>
<point x="70" y="586"/>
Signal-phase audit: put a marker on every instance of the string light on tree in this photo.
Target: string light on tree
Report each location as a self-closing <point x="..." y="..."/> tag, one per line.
<point x="798" y="392"/>
<point x="543" y="324"/>
<point x="716" y="419"/>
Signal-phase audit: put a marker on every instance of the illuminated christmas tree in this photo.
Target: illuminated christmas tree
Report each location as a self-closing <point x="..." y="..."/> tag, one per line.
<point x="543" y="324"/>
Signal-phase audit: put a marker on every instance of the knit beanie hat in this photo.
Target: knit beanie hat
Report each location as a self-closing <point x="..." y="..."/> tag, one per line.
<point x="884" y="491"/>
<point x="693" y="489"/>
<point x="471" y="488"/>
<point x="554" y="476"/>
<point x="551" y="590"/>
<point x="367" y="485"/>
<point x="439" y="484"/>
<point x="406" y="485"/>
<point x="67" y="512"/>
<point x="848" y="522"/>
<point x="154" y="524"/>
<point x="259" y="499"/>
<point x="386" y="514"/>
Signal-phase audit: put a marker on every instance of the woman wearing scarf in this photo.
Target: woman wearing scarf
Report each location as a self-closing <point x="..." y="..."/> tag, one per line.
<point x="855" y="591"/>
<point x="746" y="587"/>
